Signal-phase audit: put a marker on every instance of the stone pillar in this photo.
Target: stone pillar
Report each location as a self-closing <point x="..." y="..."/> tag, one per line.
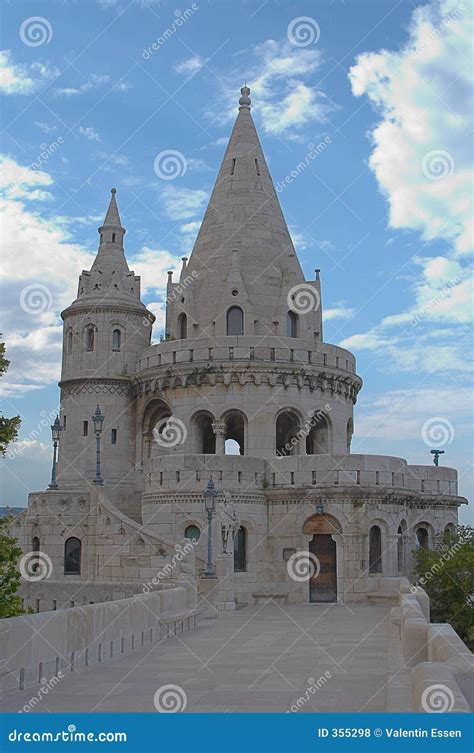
<point x="219" y="431"/>
<point x="391" y="555"/>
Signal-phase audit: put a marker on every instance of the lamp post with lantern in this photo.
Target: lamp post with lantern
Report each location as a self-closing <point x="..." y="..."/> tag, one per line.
<point x="210" y="494"/>
<point x="55" y="433"/>
<point x="98" y="421"/>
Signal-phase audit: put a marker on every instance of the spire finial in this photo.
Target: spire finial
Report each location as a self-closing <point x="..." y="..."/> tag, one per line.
<point x="245" y="100"/>
<point x="113" y="190"/>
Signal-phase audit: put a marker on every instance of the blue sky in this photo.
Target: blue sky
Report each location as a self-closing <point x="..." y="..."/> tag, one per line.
<point x="88" y="103"/>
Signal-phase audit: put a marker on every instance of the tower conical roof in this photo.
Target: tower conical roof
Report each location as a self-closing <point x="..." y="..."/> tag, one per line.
<point x="243" y="215"/>
<point x="112" y="217"/>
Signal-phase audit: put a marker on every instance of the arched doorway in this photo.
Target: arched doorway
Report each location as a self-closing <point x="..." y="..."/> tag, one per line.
<point x="322" y="546"/>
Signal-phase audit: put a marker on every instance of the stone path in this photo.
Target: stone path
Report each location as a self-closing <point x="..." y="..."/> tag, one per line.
<point x="261" y="658"/>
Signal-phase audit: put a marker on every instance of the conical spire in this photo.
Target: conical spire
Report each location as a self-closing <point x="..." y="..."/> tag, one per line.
<point x="243" y="214"/>
<point x="112" y="217"/>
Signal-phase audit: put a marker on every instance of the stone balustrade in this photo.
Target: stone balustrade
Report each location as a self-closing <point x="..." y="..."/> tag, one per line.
<point x="50" y="644"/>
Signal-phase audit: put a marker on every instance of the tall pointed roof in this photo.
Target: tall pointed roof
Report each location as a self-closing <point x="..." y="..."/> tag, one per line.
<point x="244" y="215"/>
<point x="112" y="217"/>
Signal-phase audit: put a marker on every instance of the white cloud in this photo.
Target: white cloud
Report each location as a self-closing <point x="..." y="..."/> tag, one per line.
<point x="183" y="203"/>
<point x="22" y="79"/>
<point x="423" y="95"/>
<point x="94" y="81"/>
<point x="89" y="133"/>
<point x="45" y="127"/>
<point x="190" y="66"/>
<point x="337" y="312"/>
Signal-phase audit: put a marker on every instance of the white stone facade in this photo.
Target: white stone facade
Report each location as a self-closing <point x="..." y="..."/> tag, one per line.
<point x="243" y="359"/>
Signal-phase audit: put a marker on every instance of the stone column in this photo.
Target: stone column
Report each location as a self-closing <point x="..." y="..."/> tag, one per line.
<point x="219" y="431"/>
<point x="391" y="555"/>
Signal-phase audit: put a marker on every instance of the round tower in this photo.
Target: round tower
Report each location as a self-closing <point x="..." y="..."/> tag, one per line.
<point x="105" y="330"/>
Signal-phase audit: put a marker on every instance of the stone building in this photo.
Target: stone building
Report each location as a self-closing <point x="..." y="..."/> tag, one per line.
<point x="242" y="389"/>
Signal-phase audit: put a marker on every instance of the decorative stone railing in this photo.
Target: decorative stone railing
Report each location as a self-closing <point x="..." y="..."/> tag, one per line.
<point x="443" y="666"/>
<point x="247" y="474"/>
<point x="48" y="645"/>
<point x="247" y="349"/>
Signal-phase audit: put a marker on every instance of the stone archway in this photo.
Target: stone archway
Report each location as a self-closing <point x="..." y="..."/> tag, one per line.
<point x="325" y="532"/>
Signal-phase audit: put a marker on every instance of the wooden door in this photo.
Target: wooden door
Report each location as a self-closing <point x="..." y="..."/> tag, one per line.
<point x="323" y="585"/>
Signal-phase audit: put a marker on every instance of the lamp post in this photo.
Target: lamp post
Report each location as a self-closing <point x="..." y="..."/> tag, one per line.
<point x="210" y="494"/>
<point x="98" y="420"/>
<point x="55" y="433"/>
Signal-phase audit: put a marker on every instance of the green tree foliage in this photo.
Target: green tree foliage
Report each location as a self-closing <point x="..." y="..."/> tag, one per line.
<point x="8" y="426"/>
<point x="10" y="552"/>
<point x="446" y="572"/>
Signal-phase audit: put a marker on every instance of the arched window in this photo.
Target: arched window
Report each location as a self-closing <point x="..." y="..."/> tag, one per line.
<point x="193" y="533"/>
<point x="318" y="436"/>
<point x="35" y="547"/>
<point x="69" y="343"/>
<point x="182" y="327"/>
<point x="235" y="321"/>
<point x="422" y="538"/>
<point x="375" y="550"/>
<point x="288" y="434"/>
<point x="349" y="433"/>
<point x="116" y="339"/>
<point x="400" y="550"/>
<point x="291" y="324"/>
<point x="72" y="556"/>
<point x="240" y="550"/>
<point x="90" y="337"/>
<point x="205" y="435"/>
<point x="234" y="423"/>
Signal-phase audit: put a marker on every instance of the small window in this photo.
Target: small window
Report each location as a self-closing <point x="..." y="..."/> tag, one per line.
<point x="257" y="167"/>
<point x="64" y="421"/>
<point x="69" y="343"/>
<point x="235" y="321"/>
<point x="375" y="550"/>
<point x="291" y="324"/>
<point x="240" y="550"/>
<point x="85" y="428"/>
<point x="233" y="167"/>
<point x="113" y="436"/>
<point x="182" y="327"/>
<point x="113" y="237"/>
<point x="72" y="557"/>
<point x="193" y="533"/>
<point x="116" y="339"/>
<point x="90" y="336"/>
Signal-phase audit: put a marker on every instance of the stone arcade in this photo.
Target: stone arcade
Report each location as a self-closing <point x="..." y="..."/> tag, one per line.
<point x="242" y="389"/>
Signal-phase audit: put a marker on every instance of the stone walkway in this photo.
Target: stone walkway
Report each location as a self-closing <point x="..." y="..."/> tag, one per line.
<point x="263" y="658"/>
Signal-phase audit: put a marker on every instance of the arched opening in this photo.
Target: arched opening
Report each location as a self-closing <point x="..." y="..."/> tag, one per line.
<point x="90" y="338"/>
<point x="288" y="433"/>
<point x="116" y="339"/>
<point x="318" y="437"/>
<point x="235" y="321"/>
<point x="153" y="425"/>
<point x="323" y="553"/>
<point x="35" y="547"/>
<point x="204" y="433"/>
<point x="72" y="556"/>
<point x="349" y="433"/>
<point x="69" y="343"/>
<point x="182" y="327"/>
<point x="422" y="538"/>
<point x="450" y="530"/>
<point x="193" y="533"/>
<point x="240" y="550"/>
<point x="291" y="324"/>
<point x="234" y="422"/>
<point x="375" y="550"/>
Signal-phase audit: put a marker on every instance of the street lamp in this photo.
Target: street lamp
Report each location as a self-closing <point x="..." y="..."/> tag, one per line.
<point x="210" y="494"/>
<point x="98" y="421"/>
<point x="55" y="433"/>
